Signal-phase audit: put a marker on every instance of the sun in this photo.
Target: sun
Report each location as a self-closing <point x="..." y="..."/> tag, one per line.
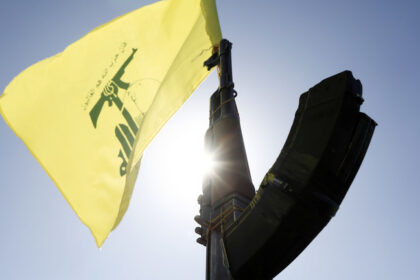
<point x="207" y="163"/>
<point x="178" y="160"/>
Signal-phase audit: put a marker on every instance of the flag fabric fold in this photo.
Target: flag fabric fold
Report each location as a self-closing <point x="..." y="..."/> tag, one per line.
<point x="88" y="113"/>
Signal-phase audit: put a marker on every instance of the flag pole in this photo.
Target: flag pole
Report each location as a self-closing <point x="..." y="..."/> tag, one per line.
<point x="227" y="189"/>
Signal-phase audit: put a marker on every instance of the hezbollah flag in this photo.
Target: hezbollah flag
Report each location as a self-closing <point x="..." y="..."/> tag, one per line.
<point x="88" y="113"/>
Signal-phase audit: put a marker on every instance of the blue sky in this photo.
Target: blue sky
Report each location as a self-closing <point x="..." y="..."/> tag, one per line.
<point x="280" y="49"/>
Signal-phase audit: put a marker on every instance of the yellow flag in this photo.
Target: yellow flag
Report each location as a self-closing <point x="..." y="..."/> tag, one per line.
<point x="88" y="113"/>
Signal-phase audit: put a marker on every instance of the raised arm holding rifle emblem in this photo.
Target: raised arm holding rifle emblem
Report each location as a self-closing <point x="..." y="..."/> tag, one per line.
<point x="110" y="92"/>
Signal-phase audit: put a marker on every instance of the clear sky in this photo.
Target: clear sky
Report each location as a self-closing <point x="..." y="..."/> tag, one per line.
<point x="280" y="49"/>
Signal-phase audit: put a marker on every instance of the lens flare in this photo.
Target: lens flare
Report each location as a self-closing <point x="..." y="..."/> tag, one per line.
<point x="208" y="163"/>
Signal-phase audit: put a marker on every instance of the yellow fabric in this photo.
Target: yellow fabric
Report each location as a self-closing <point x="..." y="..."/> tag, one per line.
<point x="88" y="113"/>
